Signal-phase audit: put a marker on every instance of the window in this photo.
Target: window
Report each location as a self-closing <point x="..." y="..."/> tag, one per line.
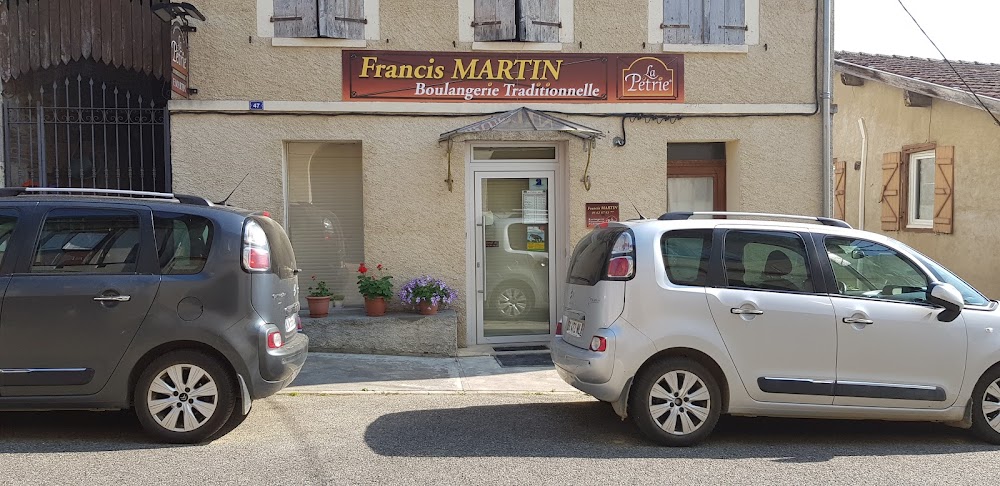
<point x="326" y="214"/>
<point x="866" y="269"/>
<point x="920" y="197"/>
<point x="767" y="261"/>
<point x="343" y="23"/>
<point x="182" y="242"/>
<point x="540" y="24"/>
<point x="93" y="241"/>
<point x="941" y="274"/>
<point x="696" y="176"/>
<point x="7" y="222"/>
<point x="721" y="22"/>
<point x="686" y="255"/>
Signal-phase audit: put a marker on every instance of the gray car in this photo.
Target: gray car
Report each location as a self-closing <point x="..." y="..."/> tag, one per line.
<point x="184" y="310"/>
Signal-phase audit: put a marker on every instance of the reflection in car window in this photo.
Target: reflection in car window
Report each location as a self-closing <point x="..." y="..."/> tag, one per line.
<point x="686" y="255"/>
<point x="941" y="274"/>
<point x="864" y="268"/>
<point x="7" y="223"/>
<point x="767" y="260"/>
<point x="98" y="241"/>
<point x="182" y="242"/>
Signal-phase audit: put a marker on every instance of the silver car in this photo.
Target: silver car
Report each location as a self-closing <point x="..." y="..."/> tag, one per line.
<point x="676" y="321"/>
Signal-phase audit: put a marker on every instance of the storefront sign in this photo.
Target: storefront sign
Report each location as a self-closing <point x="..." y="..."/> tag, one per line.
<point x="505" y="77"/>
<point x="179" y="61"/>
<point x="598" y="213"/>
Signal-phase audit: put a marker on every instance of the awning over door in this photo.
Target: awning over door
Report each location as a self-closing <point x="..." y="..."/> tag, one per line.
<point x="524" y="120"/>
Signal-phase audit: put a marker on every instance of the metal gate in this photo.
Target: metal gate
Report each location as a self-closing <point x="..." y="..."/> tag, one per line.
<point x="85" y="133"/>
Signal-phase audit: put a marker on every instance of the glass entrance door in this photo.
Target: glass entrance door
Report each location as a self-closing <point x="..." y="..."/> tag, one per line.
<point x="514" y="234"/>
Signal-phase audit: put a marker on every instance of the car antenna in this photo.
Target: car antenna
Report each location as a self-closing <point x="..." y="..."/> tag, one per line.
<point x="636" y="210"/>
<point x="223" y="203"/>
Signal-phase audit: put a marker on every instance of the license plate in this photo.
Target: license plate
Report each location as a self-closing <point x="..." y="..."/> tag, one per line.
<point x="290" y="323"/>
<point x="574" y="328"/>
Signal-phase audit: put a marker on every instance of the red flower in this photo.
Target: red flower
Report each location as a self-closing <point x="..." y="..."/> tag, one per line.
<point x="363" y="269"/>
<point x="379" y="266"/>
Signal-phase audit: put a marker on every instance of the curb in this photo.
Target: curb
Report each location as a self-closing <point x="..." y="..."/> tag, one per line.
<point x="287" y="392"/>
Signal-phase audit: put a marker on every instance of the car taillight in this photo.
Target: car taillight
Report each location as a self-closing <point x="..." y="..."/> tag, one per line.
<point x="274" y="340"/>
<point x="598" y="344"/>
<point x="298" y="323"/>
<point x="256" y="250"/>
<point x="621" y="263"/>
<point x="559" y="328"/>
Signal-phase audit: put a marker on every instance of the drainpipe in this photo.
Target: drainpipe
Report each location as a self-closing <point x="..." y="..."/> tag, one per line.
<point x="827" y="116"/>
<point x="864" y="163"/>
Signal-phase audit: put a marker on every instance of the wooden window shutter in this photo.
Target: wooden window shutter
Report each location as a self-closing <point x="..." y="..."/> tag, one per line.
<point x="539" y="21"/>
<point x="891" y="186"/>
<point x="840" y="189"/>
<point x="342" y="19"/>
<point x="295" y="18"/>
<point x="682" y="21"/>
<point x="944" y="189"/>
<point x="494" y="20"/>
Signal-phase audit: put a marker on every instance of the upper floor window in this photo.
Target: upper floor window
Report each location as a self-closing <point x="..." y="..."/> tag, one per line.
<point x="704" y="22"/>
<point x="517" y="20"/>
<point x="334" y="19"/>
<point x="921" y="190"/>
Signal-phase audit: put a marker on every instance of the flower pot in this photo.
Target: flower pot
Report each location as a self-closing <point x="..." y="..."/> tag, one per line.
<point x="375" y="306"/>
<point x="318" y="306"/>
<point x="427" y="308"/>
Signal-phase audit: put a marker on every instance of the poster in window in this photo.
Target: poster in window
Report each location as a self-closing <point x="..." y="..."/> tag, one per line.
<point x="534" y="205"/>
<point x="536" y="238"/>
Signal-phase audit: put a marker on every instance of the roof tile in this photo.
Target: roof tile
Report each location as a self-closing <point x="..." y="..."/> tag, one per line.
<point x="983" y="78"/>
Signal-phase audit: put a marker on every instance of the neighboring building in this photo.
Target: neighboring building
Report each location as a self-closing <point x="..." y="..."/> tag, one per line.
<point x="931" y="169"/>
<point x="474" y="139"/>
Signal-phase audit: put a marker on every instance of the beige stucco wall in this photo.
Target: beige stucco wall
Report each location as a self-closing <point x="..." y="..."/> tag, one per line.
<point x="970" y="250"/>
<point x="229" y="61"/>
<point x="414" y="225"/>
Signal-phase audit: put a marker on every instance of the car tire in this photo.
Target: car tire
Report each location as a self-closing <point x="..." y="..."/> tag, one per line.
<point x="513" y="300"/>
<point x="192" y="412"/>
<point x="986" y="407"/>
<point x="674" y="422"/>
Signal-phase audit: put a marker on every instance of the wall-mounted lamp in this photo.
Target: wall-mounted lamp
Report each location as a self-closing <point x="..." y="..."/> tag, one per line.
<point x="167" y="12"/>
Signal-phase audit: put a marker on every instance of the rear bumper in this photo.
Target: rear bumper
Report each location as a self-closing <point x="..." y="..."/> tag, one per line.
<point x="588" y="371"/>
<point x="279" y="367"/>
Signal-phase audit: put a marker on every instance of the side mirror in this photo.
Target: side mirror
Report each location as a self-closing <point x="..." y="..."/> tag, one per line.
<point x="946" y="295"/>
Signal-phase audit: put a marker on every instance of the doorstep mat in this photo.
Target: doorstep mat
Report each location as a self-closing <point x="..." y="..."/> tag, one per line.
<point x="524" y="359"/>
<point x="520" y="348"/>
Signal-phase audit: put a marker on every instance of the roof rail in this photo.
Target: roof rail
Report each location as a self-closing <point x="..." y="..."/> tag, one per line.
<point x="682" y="215"/>
<point x="182" y="198"/>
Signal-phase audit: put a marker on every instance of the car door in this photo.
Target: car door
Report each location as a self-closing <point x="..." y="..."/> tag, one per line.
<point x="76" y="299"/>
<point x="777" y="325"/>
<point x="892" y="351"/>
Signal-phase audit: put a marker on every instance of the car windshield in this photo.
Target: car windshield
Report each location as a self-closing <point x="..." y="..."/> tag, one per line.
<point x="942" y="274"/>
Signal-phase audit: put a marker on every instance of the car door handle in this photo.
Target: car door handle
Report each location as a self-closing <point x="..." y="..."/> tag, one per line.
<point x="858" y="320"/>
<point x="114" y="298"/>
<point x="739" y="311"/>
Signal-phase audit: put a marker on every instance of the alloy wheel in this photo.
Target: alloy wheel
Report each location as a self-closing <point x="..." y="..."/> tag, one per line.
<point x="512" y="302"/>
<point x="679" y="402"/>
<point x="991" y="405"/>
<point x="182" y="397"/>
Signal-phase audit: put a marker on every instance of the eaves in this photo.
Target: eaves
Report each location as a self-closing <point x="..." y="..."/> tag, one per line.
<point x="918" y="86"/>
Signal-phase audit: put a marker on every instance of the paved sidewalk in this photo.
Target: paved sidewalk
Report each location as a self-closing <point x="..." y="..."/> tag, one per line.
<point x="335" y="373"/>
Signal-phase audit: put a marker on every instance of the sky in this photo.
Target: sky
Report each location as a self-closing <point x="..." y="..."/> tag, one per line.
<point x="965" y="30"/>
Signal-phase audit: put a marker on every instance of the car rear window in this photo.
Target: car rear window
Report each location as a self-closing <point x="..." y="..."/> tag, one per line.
<point x="88" y="241"/>
<point x="183" y="242"/>
<point x="590" y="258"/>
<point x="282" y="255"/>
<point x="686" y="254"/>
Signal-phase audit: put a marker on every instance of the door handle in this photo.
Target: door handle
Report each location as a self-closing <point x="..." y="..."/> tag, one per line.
<point x="752" y="312"/>
<point x="858" y="320"/>
<point x="114" y="298"/>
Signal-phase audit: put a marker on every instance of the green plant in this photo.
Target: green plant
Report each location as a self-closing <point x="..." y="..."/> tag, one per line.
<point x="336" y="297"/>
<point x="320" y="290"/>
<point x="372" y="287"/>
<point x="427" y="289"/>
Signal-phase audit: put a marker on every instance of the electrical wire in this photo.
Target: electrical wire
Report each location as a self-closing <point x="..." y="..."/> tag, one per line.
<point x="967" y="87"/>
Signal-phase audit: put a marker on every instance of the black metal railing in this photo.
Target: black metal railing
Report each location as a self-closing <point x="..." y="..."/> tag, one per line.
<point x="86" y="133"/>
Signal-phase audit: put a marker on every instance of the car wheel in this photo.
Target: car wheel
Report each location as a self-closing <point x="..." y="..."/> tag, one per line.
<point x="513" y="301"/>
<point x="676" y="402"/>
<point x="986" y="407"/>
<point x="184" y="397"/>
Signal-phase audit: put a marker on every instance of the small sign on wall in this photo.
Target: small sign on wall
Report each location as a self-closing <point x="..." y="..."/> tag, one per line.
<point x="598" y="213"/>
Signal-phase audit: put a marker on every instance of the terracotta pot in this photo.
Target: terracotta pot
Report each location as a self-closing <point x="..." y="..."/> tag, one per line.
<point x="375" y="307"/>
<point x="318" y="306"/>
<point x="427" y="308"/>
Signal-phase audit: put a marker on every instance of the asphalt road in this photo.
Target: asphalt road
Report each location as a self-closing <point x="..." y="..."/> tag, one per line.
<point x="480" y="439"/>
